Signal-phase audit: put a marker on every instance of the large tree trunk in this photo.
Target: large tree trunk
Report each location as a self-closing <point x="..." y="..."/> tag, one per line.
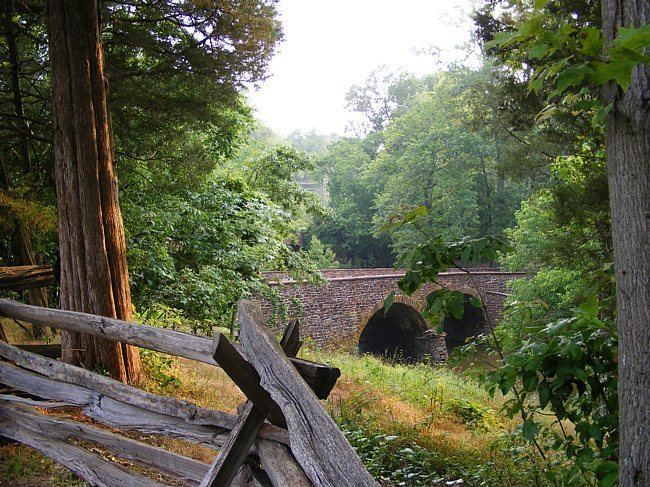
<point x="628" y="165"/>
<point x="94" y="275"/>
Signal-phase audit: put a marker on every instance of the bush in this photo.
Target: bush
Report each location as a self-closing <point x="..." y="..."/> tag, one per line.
<point x="568" y="368"/>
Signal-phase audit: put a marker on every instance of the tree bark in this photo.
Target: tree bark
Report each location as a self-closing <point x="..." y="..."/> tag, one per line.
<point x="94" y="274"/>
<point x="628" y="167"/>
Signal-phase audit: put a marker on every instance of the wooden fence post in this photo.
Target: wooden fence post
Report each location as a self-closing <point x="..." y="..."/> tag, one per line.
<point x="317" y="443"/>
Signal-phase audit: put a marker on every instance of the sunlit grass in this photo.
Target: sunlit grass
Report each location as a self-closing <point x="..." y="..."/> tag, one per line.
<point x="420" y="385"/>
<point x="20" y="466"/>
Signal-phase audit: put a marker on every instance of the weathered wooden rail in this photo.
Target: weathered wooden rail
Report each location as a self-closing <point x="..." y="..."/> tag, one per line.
<point x="282" y="436"/>
<point x="21" y="278"/>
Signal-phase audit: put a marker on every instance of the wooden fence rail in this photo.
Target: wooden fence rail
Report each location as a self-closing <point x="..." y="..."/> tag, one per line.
<point x="282" y="436"/>
<point x="21" y="278"/>
<point x="321" y="377"/>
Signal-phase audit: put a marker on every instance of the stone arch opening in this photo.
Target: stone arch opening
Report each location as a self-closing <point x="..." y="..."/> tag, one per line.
<point x="472" y="324"/>
<point x="394" y="335"/>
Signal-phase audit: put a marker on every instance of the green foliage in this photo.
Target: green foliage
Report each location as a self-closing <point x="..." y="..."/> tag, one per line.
<point x="429" y="145"/>
<point x="398" y="451"/>
<point x="549" y="294"/>
<point x="576" y="356"/>
<point x="391" y="459"/>
<point x="348" y="229"/>
<point x="434" y="158"/>
<point x="474" y="414"/>
<point x="423" y="263"/>
<point x="320" y="255"/>
<point x="268" y="164"/>
<point x="572" y="59"/>
<point x="200" y="251"/>
<point x="175" y="105"/>
<point x="159" y="368"/>
<point x="21" y="211"/>
<point x="168" y="89"/>
<point x="570" y="368"/>
<point x="563" y="235"/>
<point x="562" y="358"/>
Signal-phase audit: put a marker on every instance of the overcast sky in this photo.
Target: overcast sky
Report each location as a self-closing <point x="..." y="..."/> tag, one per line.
<point x="331" y="44"/>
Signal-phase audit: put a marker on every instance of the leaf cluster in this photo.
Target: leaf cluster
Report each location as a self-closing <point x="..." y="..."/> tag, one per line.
<point x="571" y="58"/>
<point x="568" y="367"/>
<point x="425" y="261"/>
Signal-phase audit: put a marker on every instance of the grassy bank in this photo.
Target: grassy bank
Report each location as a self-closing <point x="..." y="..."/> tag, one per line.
<point x="422" y="425"/>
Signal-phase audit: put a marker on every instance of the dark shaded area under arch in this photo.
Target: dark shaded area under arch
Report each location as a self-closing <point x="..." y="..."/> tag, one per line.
<point x="458" y="331"/>
<point x="395" y="334"/>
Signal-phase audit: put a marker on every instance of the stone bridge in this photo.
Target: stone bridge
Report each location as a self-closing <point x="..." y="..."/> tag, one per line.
<point x="347" y="311"/>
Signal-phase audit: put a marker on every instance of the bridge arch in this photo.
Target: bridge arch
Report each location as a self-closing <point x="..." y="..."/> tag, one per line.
<point x="395" y="334"/>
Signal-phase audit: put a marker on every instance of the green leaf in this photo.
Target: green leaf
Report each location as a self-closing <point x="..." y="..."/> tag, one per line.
<point x="571" y="76"/>
<point x="410" y="282"/>
<point x="625" y="54"/>
<point x="415" y="214"/>
<point x="529" y="429"/>
<point x="388" y="302"/>
<point x="456" y="304"/>
<point x="574" y="351"/>
<point x="506" y="383"/>
<point x="607" y="472"/>
<point x="476" y="302"/>
<point x="540" y="4"/>
<point x="581" y="374"/>
<point x="436" y="299"/>
<point x="547" y="112"/>
<point x="599" y="115"/>
<point x="500" y="39"/>
<point x="565" y="368"/>
<point x="592" y="41"/>
<point x="590" y="307"/>
<point x="466" y="254"/>
<point x="609" y="480"/>
<point x="536" y="84"/>
<point x="538" y="51"/>
<point x="633" y="38"/>
<point x="544" y="391"/>
<point x="529" y="381"/>
<point x="619" y="70"/>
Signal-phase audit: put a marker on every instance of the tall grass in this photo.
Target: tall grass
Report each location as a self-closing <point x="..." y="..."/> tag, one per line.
<point x="421" y="385"/>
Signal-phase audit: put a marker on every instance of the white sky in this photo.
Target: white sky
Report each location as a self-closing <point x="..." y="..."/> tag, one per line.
<point x="331" y="44"/>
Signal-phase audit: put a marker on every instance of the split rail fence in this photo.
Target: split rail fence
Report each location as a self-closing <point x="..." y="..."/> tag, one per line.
<point x="282" y="436"/>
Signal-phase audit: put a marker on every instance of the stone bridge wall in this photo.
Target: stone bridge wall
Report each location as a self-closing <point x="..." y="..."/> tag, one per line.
<point x="335" y="313"/>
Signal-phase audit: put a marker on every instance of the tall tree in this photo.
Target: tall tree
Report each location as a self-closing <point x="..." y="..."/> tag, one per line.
<point x="628" y="167"/>
<point x="607" y="56"/>
<point x="24" y="247"/>
<point x="94" y="275"/>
